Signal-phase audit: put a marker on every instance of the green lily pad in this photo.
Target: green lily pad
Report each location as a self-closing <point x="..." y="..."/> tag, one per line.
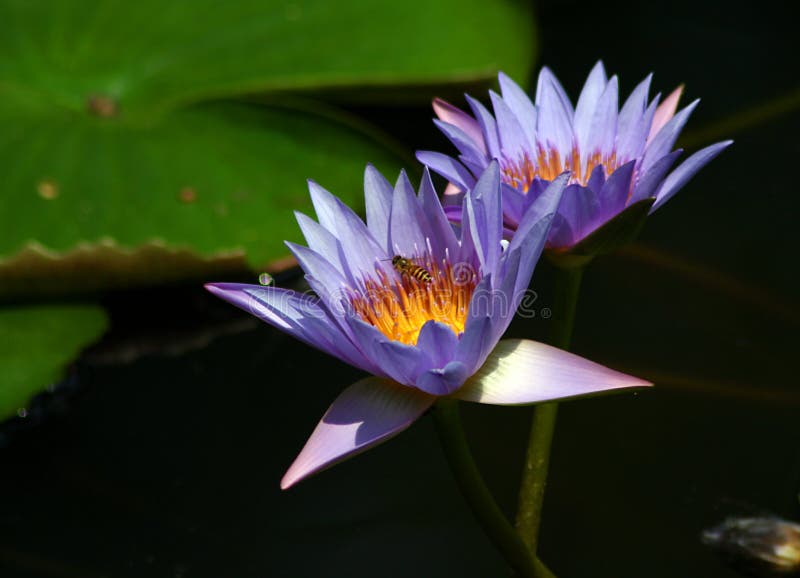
<point x="117" y="171"/>
<point x="620" y="230"/>
<point x="38" y="343"/>
<point x="149" y="54"/>
<point x="209" y="188"/>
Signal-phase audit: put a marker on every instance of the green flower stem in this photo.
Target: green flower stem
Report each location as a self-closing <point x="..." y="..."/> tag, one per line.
<point x="448" y="424"/>
<point x="537" y="458"/>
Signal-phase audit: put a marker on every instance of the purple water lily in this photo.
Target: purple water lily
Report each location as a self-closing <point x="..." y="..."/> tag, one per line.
<point x="420" y="307"/>
<point x="616" y="157"/>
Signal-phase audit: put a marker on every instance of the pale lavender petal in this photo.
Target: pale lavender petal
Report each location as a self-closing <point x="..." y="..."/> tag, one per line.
<point x="665" y="112"/>
<point x="396" y="360"/>
<point x="462" y="142"/>
<point x="488" y="126"/>
<point x="406" y="234"/>
<point x="587" y="103"/>
<point x="545" y="204"/>
<point x="477" y="340"/>
<point x="520" y="372"/>
<point x="513" y="141"/>
<point x="485" y="213"/>
<point x="378" y="201"/>
<point x="438" y="342"/>
<point x="443" y="238"/>
<point x="632" y="143"/>
<point x="445" y="380"/>
<point x="615" y="192"/>
<point x="530" y="249"/>
<point x="666" y="137"/>
<point x="686" y="170"/>
<point x="367" y="413"/>
<point x="457" y="117"/>
<point x="321" y="240"/>
<point x="325" y="279"/>
<point x="630" y="137"/>
<point x="522" y="107"/>
<point x="298" y="315"/>
<point x="603" y="130"/>
<point x="359" y="247"/>
<point x="554" y="126"/>
<point x="650" y="181"/>
<point x="447" y="167"/>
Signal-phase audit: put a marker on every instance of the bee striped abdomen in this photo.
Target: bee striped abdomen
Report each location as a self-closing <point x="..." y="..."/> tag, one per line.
<point x="408" y="267"/>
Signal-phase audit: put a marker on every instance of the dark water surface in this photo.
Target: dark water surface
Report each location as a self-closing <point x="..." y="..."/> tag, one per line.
<point x="168" y="465"/>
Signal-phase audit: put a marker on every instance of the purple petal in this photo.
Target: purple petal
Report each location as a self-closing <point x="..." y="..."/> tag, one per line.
<point x="485" y="213"/>
<point x="649" y="182"/>
<point x="545" y="204"/>
<point x="587" y="103"/>
<point x="666" y="137"/>
<point x="406" y="234"/>
<point x="462" y="142"/>
<point x="367" y="413"/>
<point x="442" y="237"/>
<point x="320" y="240"/>
<point x="520" y="371"/>
<point x="687" y="169"/>
<point x="488" y="126"/>
<point x="378" y="201"/>
<point x="447" y="167"/>
<point x="445" y="380"/>
<point x="555" y="113"/>
<point x="603" y="130"/>
<point x="521" y="106"/>
<point x="477" y="340"/>
<point x="325" y="279"/>
<point x="631" y="135"/>
<point x="615" y="192"/>
<point x="513" y="141"/>
<point x="665" y="112"/>
<point x="457" y="117"/>
<point x="359" y="247"/>
<point x="438" y="342"/>
<point x="513" y="205"/>
<point x="298" y="315"/>
<point x="396" y="360"/>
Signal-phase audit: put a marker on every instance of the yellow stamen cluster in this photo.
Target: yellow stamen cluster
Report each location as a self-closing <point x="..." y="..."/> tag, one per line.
<point x="549" y="164"/>
<point x="398" y="304"/>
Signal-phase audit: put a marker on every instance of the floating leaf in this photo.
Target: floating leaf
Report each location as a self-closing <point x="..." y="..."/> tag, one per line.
<point x="38" y="343"/>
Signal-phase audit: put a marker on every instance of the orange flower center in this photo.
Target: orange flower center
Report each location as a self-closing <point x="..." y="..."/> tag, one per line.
<point x="399" y="305"/>
<point x="548" y="164"/>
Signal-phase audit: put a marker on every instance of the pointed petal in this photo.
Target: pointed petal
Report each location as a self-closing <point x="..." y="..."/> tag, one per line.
<point x="520" y="371"/>
<point x="603" y="131"/>
<point x="513" y="141"/>
<point x="326" y="281"/>
<point x="457" y="117"/>
<point x="378" y="201"/>
<point x="442" y="237"/>
<point x="298" y="315"/>
<point x="650" y="181"/>
<point x="614" y="194"/>
<point x="687" y="169"/>
<point x="587" y="103"/>
<point x="665" y="112"/>
<point x="406" y="234"/>
<point x="554" y="126"/>
<point x="545" y="204"/>
<point x="630" y="140"/>
<point x="522" y="107"/>
<point x="320" y="239"/>
<point x="485" y="214"/>
<point x="662" y="143"/>
<point x="462" y="142"/>
<point x="447" y="167"/>
<point x="477" y="341"/>
<point x="488" y="126"/>
<point x="365" y="414"/>
<point x="438" y="342"/>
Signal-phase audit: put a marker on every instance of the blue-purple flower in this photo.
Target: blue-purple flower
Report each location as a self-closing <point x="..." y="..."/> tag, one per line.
<point x="419" y="305"/>
<point x="615" y="157"/>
